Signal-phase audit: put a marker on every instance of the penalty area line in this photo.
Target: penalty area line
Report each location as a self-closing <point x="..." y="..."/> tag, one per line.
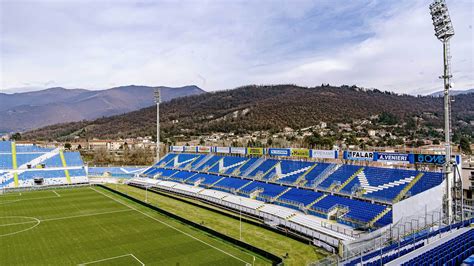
<point x="113" y="258"/>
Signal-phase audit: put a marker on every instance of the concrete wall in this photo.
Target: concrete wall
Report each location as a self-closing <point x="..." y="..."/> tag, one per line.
<point x="429" y="200"/>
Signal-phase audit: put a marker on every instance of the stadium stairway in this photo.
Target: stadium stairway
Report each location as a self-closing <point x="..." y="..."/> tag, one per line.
<point x="14" y="162"/>
<point x="324" y="175"/>
<point x="316" y="201"/>
<point x="223" y="169"/>
<point x="302" y="170"/>
<point x="380" y="215"/>
<point x="186" y="179"/>
<point x="178" y="164"/>
<point x="163" y="164"/>
<point x="255" y="192"/>
<point x="279" y="195"/>
<point x="203" y="161"/>
<point x="220" y="179"/>
<point x="370" y="189"/>
<point x="350" y="179"/>
<point x="253" y="167"/>
<point x="302" y="178"/>
<point x="212" y="166"/>
<point x="268" y="171"/>
<point x="236" y="171"/>
<point x="66" y="171"/>
<point x="168" y="177"/>
<point x="408" y="187"/>
<point x="240" y="188"/>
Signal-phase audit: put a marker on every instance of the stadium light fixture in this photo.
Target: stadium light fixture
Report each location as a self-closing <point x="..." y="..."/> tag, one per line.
<point x="444" y="30"/>
<point x="157" y="94"/>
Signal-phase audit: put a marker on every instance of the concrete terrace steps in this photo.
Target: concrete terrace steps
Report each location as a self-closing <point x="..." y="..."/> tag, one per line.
<point x="14" y="164"/>
<point x="63" y="161"/>
<point x="316" y="201"/>
<point x="237" y="190"/>
<point x="302" y="177"/>
<point x="291" y="216"/>
<point x="352" y="177"/>
<point x="220" y="179"/>
<point x="302" y="170"/>
<point x="279" y="195"/>
<point x="253" y="166"/>
<point x="408" y="187"/>
<point x="237" y="170"/>
<point x="269" y="170"/>
<point x="163" y="164"/>
<point x="169" y="177"/>
<point x="379" y="216"/>
<point x="212" y="165"/>
<point x="204" y="160"/>
<point x="223" y="169"/>
<point x="325" y="174"/>
<point x="184" y="181"/>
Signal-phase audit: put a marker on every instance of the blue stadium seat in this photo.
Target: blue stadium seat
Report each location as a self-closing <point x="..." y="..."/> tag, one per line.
<point x="263" y="167"/>
<point x="230" y="184"/>
<point x="340" y="175"/>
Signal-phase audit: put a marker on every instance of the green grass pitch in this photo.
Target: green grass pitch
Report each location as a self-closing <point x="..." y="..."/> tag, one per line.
<point x="92" y="226"/>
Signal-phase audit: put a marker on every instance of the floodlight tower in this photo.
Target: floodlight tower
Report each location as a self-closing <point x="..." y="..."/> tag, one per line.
<point x="444" y="31"/>
<point x="157" y="101"/>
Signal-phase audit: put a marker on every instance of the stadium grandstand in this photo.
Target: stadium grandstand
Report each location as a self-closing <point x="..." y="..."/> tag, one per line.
<point x="358" y="210"/>
<point x="27" y="165"/>
<point x="112" y="171"/>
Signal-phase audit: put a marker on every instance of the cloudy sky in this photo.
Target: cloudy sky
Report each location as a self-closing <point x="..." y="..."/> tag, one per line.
<point x="223" y="44"/>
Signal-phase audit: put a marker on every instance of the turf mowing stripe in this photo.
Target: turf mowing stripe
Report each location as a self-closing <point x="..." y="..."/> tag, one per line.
<point x="170" y="226"/>
<point x="14" y="162"/>
<point x="66" y="172"/>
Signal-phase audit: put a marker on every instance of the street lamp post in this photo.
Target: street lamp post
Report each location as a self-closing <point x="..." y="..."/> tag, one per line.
<point x="157" y="95"/>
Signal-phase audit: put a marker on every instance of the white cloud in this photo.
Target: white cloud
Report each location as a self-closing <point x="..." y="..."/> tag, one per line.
<point x="221" y="45"/>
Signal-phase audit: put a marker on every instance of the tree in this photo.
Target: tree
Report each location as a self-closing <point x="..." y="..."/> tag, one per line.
<point x="387" y="118"/>
<point x="67" y="146"/>
<point x="269" y="142"/>
<point x="419" y="143"/>
<point x="16" y="137"/>
<point x="465" y="145"/>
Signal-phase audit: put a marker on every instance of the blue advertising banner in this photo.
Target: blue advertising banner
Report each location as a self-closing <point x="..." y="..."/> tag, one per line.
<point x="391" y="157"/>
<point x="427" y="158"/>
<point x="279" y="152"/>
<point x="359" y="155"/>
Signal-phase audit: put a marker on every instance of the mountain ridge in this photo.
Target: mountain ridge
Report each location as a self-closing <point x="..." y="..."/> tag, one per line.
<point x="253" y="108"/>
<point x="29" y="110"/>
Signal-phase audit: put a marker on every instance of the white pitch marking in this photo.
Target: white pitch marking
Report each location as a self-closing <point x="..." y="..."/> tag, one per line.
<point x="12" y="201"/>
<point x="149" y="216"/>
<point x="30" y="222"/>
<point x="27" y="229"/>
<point x="54" y="191"/>
<point x="116" y="257"/>
<point x="83" y="215"/>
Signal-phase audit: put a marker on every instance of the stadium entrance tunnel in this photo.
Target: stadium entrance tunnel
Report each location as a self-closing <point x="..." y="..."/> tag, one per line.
<point x="12" y="225"/>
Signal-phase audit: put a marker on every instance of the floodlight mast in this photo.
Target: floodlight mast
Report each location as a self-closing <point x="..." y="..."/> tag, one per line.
<point x="157" y="101"/>
<point x="444" y="31"/>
